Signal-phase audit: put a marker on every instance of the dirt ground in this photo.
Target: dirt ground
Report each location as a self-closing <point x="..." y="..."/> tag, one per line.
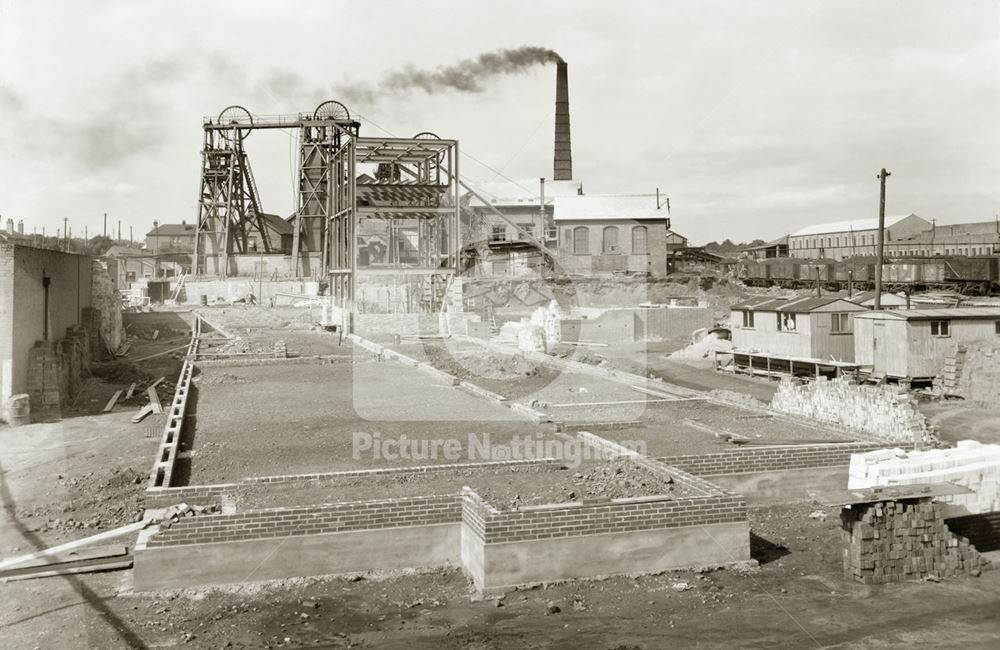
<point x="957" y="420"/>
<point x="796" y="599"/>
<point x="301" y="418"/>
<point x="503" y="488"/>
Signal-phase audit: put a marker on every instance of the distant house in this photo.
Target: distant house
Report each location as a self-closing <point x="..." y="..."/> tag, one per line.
<point x="911" y="344"/>
<point x="278" y="233"/>
<point x="127" y="265"/>
<point x="178" y="237"/>
<point x="807" y="328"/>
<point x="602" y="235"/>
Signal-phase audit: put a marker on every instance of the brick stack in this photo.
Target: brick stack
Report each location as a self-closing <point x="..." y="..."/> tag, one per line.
<point x="280" y="350"/>
<point x="878" y="410"/>
<point x="893" y="541"/>
<point x="973" y="373"/>
<point x="45" y="378"/>
<point x="970" y="464"/>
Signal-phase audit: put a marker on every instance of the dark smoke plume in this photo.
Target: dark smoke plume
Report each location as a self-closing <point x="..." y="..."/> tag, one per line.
<point x="468" y="75"/>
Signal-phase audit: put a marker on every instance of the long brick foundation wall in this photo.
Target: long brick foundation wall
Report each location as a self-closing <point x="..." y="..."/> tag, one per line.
<point x="765" y="459"/>
<point x="310" y="520"/>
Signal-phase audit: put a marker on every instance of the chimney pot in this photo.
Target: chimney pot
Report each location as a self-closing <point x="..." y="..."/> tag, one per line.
<point x="20" y="226"/>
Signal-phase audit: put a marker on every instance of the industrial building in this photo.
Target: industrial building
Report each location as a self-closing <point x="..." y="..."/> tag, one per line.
<point x="601" y="235"/>
<point x="906" y="235"/>
<point x="842" y="239"/>
<point x="911" y="344"/>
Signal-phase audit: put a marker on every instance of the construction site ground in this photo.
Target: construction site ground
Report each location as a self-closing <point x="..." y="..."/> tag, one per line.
<point x="502" y="487"/>
<point x="95" y="464"/>
<point x="243" y="424"/>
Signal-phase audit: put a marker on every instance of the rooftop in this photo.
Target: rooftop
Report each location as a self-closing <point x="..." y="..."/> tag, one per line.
<point x="172" y="230"/>
<point x="790" y="305"/>
<point x="522" y="191"/>
<point x="593" y="207"/>
<point x="849" y="226"/>
<point x="963" y="313"/>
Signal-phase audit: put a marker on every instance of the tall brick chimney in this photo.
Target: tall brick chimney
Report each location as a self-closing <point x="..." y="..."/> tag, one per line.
<point x="563" y="167"/>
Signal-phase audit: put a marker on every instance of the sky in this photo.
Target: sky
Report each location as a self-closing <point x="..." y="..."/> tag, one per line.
<point x="756" y="117"/>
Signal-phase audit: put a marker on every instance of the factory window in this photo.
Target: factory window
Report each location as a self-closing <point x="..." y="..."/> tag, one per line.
<point x="940" y="328"/>
<point x="786" y="322"/>
<point x="581" y="241"/>
<point x="527" y="227"/>
<point x="609" y="244"/>
<point x="499" y="233"/>
<point x="838" y="241"/>
<point x="748" y="319"/>
<point x="840" y="323"/>
<point x="639" y="240"/>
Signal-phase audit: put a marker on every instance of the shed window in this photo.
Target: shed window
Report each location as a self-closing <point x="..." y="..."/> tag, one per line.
<point x="609" y="243"/>
<point x="639" y="240"/>
<point x="748" y="319"/>
<point x="581" y="240"/>
<point x="940" y="328"/>
<point x="840" y="323"/>
<point x="996" y="326"/>
<point x="786" y="322"/>
<point x="499" y="233"/>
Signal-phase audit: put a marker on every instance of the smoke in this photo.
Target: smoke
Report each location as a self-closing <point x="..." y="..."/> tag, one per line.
<point x="134" y="113"/>
<point x="467" y="76"/>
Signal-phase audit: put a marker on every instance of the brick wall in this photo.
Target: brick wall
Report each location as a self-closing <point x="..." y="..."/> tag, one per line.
<point x="594" y="518"/>
<point x="892" y="541"/>
<point x="765" y="459"/>
<point x="311" y="520"/>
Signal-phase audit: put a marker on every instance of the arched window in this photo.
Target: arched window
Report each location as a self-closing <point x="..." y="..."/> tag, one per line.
<point x="609" y="244"/>
<point x="581" y="240"/>
<point x="639" y="241"/>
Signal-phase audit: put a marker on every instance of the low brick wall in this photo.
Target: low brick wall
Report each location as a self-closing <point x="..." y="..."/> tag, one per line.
<point x="766" y="459"/>
<point x="310" y="520"/>
<point x="595" y="518"/>
<point x="892" y="541"/>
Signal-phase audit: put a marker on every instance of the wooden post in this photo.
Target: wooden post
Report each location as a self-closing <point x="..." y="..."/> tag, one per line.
<point x="880" y="253"/>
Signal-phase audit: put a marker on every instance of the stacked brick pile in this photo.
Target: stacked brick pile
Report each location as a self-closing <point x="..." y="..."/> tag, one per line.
<point x="878" y="410"/>
<point x="892" y="541"/>
<point x="970" y="464"/>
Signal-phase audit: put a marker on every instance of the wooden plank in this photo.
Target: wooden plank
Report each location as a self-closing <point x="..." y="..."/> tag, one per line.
<point x="111" y="402"/>
<point x="157" y="382"/>
<point x="156" y="333"/>
<point x="154" y="400"/>
<point x="143" y="412"/>
<point x="79" y="543"/>
<point x="131" y="389"/>
<point x="85" y="566"/>
<point x="87" y="553"/>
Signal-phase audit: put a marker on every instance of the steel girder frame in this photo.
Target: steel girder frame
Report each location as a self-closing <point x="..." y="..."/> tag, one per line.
<point x="421" y="185"/>
<point x="227" y="202"/>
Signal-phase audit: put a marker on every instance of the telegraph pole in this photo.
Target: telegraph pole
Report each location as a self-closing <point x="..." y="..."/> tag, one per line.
<point x="66" y="234"/>
<point x="882" y="175"/>
<point x="105" y="224"/>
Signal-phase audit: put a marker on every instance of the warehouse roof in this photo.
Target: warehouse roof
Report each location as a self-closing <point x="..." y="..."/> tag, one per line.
<point x="595" y="207"/>
<point x="848" y="226"/>
<point x="961" y="313"/>
<point x="172" y="230"/>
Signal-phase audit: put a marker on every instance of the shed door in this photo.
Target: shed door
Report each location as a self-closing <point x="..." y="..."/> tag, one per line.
<point x="881" y="354"/>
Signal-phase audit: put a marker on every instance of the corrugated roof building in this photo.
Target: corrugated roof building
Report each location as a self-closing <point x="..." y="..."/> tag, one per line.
<point x="840" y="239"/>
<point x="809" y="328"/>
